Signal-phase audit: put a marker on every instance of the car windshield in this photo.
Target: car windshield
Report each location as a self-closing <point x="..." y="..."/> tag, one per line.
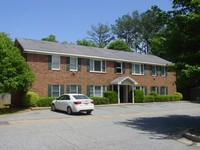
<point x="80" y="97"/>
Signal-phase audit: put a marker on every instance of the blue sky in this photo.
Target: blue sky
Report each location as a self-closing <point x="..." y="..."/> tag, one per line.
<point x="69" y="20"/>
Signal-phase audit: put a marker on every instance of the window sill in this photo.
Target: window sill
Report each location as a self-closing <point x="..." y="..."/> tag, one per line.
<point x="55" y="69"/>
<point x="138" y="74"/>
<point x="98" y="72"/>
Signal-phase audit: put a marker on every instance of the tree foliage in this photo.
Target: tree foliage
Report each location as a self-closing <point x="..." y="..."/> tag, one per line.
<point x="119" y="45"/>
<point x="137" y="29"/>
<point x="100" y="34"/>
<point x="179" y="42"/>
<point x="50" y="38"/>
<point x="85" y="42"/>
<point x="15" y="75"/>
<point x="127" y="28"/>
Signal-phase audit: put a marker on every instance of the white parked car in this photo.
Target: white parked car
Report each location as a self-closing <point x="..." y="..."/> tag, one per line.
<point x="73" y="103"/>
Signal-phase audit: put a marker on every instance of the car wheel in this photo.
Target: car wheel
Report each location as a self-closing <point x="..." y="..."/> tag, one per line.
<point x="88" y="112"/>
<point x="69" y="111"/>
<point x="53" y="107"/>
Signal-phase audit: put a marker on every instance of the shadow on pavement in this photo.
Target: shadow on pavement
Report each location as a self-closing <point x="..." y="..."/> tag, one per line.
<point x="169" y="127"/>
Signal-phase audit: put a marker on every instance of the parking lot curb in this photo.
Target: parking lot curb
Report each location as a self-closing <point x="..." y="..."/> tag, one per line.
<point x="191" y="137"/>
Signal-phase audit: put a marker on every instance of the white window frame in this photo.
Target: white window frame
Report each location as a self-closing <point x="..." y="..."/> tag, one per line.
<point x="93" y="92"/>
<point x="152" y="71"/>
<point x="70" y="90"/>
<point x="55" y="61"/>
<point x="76" y="63"/>
<point x="52" y="90"/>
<point x="141" y="69"/>
<point x="119" y="67"/>
<point x="156" y="89"/>
<point x="164" y="74"/>
<point x="165" y="90"/>
<point x="92" y="65"/>
<point x="141" y="88"/>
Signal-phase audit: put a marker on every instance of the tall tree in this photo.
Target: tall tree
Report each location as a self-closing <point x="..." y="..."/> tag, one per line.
<point x="179" y="42"/>
<point x="100" y="34"/>
<point x="85" y="42"/>
<point x="119" y="45"/>
<point x="152" y="22"/>
<point x="15" y="75"/>
<point x="127" y="28"/>
<point x="50" y="38"/>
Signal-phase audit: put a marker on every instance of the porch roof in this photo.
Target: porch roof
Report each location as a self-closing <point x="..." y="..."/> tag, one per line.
<point x="124" y="81"/>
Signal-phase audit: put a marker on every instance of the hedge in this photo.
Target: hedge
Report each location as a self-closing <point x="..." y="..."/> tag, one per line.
<point x="139" y="96"/>
<point x="100" y="100"/>
<point x="149" y="98"/>
<point x="111" y="96"/>
<point x="30" y="99"/>
<point x="45" y="101"/>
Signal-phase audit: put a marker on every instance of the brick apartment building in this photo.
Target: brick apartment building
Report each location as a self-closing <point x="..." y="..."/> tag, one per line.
<point x="63" y="68"/>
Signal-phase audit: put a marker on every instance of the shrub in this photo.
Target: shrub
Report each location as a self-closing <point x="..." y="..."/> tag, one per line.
<point x="139" y="96"/>
<point x="163" y="98"/>
<point x="175" y="97"/>
<point x="179" y="94"/>
<point x="112" y="96"/>
<point x="153" y="94"/>
<point x="45" y="101"/>
<point x="100" y="100"/>
<point x="30" y="99"/>
<point x="149" y="98"/>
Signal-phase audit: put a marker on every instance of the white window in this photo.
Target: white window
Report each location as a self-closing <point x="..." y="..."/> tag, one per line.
<point x="73" y="64"/>
<point x="163" y="71"/>
<point x="138" y="69"/>
<point x="154" y="89"/>
<point x="118" y="67"/>
<point x="153" y="70"/>
<point x="97" y="65"/>
<point x="55" y="62"/>
<point x="55" y="90"/>
<point x="163" y="90"/>
<point x="144" y="88"/>
<point x="97" y="91"/>
<point x="73" y="89"/>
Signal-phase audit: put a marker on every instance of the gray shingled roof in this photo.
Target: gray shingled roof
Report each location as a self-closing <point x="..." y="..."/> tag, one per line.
<point x="44" y="47"/>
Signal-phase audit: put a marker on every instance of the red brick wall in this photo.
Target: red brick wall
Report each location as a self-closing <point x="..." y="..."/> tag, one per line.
<point x="39" y="65"/>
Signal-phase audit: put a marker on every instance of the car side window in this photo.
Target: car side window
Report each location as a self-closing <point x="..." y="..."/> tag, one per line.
<point x="61" y="97"/>
<point x="67" y="97"/>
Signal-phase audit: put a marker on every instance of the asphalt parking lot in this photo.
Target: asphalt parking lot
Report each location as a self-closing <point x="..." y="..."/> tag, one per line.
<point x="129" y="126"/>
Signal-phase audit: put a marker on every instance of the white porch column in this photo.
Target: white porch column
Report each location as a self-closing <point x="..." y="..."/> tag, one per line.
<point x="133" y="99"/>
<point x="118" y="88"/>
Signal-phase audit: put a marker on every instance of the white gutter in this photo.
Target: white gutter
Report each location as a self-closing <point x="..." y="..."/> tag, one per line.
<point x="86" y="56"/>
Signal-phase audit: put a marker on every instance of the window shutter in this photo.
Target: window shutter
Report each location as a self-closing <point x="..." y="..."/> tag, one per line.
<point x="49" y="62"/>
<point x="115" y="67"/>
<point x="166" y="90"/>
<point x="68" y="89"/>
<point x="61" y="89"/>
<point x="79" y="64"/>
<point x="157" y="90"/>
<point x="151" y="70"/>
<point x="88" y="65"/>
<point x="49" y="90"/>
<point x="145" y="90"/>
<point x="79" y="89"/>
<point x="145" y="72"/>
<point x="103" y="66"/>
<point x="166" y="70"/>
<point x="88" y="90"/>
<point x="160" y="68"/>
<point x="67" y="63"/>
<point x="130" y="68"/>
<point x="123" y="67"/>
